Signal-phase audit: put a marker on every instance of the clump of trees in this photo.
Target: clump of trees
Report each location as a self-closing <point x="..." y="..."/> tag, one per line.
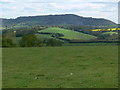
<point x="108" y="37"/>
<point x="30" y="40"/>
<point x="9" y="39"/>
<point x="33" y="41"/>
<point x="6" y="42"/>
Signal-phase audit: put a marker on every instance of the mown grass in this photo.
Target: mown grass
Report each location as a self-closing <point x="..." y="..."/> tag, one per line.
<point x="61" y="67"/>
<point x="68" y="34"/>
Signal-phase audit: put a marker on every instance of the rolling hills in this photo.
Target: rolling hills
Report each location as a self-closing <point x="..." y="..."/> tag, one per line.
<point x="65" y="34"/>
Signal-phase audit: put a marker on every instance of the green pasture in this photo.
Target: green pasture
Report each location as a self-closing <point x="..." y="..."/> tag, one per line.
<point x="44" y="36"/>
<point x="110" y="33"/>
<point x="60" y="67"/>
<point x="68" y="34"/>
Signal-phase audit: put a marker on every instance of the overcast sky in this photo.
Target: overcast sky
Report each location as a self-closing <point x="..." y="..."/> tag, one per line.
<point x="88" y="8"/>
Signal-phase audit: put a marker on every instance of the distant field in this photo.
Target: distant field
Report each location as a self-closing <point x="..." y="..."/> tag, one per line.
<point x="68" y="34"/>
<point x="1" y="28"/>
<point x="44" y="36"/>
<point x="110" y="29"/>
<point x="110" y="33"/>
<point x="61" y="67"/>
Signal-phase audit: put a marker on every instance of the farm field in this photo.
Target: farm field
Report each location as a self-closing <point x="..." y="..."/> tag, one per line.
<point x="110" y="33"/>
<point x="68" y="34"/>
<point x="61" y="67"/>
<point x="109" y="29"/>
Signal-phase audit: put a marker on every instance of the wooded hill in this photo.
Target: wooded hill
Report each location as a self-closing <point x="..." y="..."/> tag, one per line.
<point x="65" y="19"/>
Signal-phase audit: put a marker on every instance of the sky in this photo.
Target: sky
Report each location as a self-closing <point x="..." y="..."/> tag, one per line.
<point x="107" y="9"/>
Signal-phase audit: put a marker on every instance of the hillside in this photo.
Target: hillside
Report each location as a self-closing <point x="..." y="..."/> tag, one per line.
<point x="65" y="34"/>
<point x="67" y="19"/>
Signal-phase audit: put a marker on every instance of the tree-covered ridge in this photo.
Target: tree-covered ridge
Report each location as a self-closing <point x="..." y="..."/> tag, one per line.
<point x="67" y="19"/>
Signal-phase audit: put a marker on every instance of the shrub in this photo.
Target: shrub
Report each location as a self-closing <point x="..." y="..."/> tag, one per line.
<point x="7" y="43"/>
<point x="31" y="41"/>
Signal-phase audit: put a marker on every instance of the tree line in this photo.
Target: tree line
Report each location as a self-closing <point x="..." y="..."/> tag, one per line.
<point x="29" y="40"/>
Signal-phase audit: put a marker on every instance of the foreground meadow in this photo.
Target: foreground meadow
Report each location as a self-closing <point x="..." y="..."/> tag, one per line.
<point x="61" y="67"/>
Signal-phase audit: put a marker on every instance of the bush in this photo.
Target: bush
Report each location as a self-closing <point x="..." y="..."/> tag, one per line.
<point x="9" y="39"/>
<point x="7" y="43"/>
<point x="31" y="41"/>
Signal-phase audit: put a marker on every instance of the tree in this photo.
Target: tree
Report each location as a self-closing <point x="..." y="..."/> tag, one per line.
<point x="31" y="41"/>
<point x="9" y="39"/>
<point x="7" y="42"/>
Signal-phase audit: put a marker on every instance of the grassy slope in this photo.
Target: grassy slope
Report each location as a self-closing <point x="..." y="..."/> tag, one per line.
<point x="45" y="36"/>
<point x="92" y="67"/>
<point x="69" y="34"/>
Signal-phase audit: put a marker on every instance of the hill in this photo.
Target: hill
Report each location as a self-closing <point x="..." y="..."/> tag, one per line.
<point x="67" y="19"/>
<point x="65" y="34"/>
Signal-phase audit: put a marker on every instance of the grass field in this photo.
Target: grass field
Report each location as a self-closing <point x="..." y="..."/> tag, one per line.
<point x="61" y="67"/>
<point x="68" y="34"/>
<point x="110" y="33"/>
<point x="44" y="36"/>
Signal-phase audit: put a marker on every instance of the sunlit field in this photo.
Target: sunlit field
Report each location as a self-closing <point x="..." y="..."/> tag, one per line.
<point x="110" y="29"/>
